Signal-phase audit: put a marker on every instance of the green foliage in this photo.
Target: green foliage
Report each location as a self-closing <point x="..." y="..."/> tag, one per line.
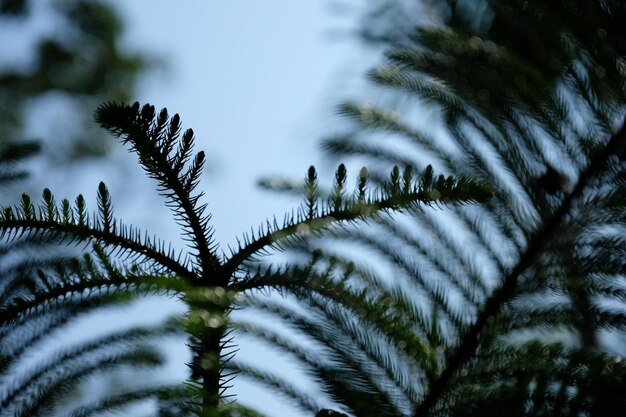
<point x="211" y="284"/>
<point x="77" y="66"/>
<point x="11" y="154"/>
<point x="512" y="307"/>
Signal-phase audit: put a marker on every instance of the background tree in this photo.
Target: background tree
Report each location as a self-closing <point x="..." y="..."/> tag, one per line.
<point x="67" y="72"/>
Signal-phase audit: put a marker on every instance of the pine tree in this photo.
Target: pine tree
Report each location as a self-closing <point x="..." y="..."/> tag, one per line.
<point x="126" y="262"/>
<point x="513" y="307"/>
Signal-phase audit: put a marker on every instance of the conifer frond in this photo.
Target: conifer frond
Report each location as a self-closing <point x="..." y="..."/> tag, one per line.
<point x="387" y="309"/>
<point x="119" y="402"/>
<point x="42" y="301"/>
<point x="168" y="158"/>
<point x="49" y="385"/>
<point x="11" y="154"/>
<point x="545" y="379"/>
<point x="53" y="386"/>
<point x="73" y="225"/>
<point x="278" y="385"/>
<point x="528" y="106"/>
<point x="399" y="194"/>
<point x="78" y="291"/>
<point x="345" y="363"/>
<point x="470" y="341"/>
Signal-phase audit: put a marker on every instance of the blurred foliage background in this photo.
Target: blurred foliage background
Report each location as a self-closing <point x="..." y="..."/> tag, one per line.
<point x="60" y="60"/>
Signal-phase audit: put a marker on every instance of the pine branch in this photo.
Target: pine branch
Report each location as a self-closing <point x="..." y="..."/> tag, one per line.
<point x="116" y="402"/>
<point x="154" y="141"/>
<point x="406" y="193"/>
<point x="347" y="371"/>
<point x="471" y="339"/>
<point x="12" y="153"/>
<point x="52" y="370"/>
<point x="83" y="232"/>
<point x="74" y="225"/>
<point x="41" y="399"/>
<point x="107" y="289"/>
<point x="9" y="357"/>
<point x="278" y="385"/>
